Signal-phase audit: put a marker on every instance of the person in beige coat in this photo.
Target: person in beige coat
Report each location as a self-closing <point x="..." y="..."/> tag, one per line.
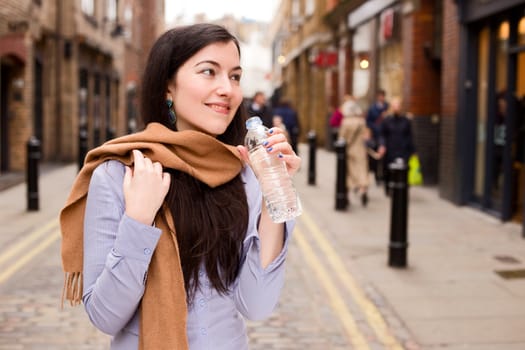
<point x="353" y="130"/>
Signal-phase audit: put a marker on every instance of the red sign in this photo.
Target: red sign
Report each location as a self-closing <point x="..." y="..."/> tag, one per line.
<point x="387" y="24"/>
<point x="325" y="59"/>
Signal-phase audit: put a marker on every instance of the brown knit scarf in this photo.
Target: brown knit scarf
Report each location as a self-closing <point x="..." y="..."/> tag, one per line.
<point x="163" y="306"/>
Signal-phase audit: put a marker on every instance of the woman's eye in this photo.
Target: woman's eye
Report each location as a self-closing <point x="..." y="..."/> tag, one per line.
<point x="208" y="71"/>
<point x="236" y="77"/>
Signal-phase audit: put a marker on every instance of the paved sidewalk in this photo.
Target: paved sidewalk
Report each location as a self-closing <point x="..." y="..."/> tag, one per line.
<point x="449" y="296"/>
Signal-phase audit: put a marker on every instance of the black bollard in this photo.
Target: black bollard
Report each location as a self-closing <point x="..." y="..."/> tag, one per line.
<point x="311" y="163"/>
<point x="399" y="211"/>
<point x="333" y="137"/>
<point x="341" y="192"/>
<point x="82" y="146"/>
<point x="33" y="157"/>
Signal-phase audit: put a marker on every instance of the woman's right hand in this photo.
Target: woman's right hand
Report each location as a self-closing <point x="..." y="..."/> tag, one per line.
<point x="145" y="187"/>
<point x="277" y="144"/>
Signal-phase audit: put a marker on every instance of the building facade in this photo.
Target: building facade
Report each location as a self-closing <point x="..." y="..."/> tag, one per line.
<point x="486" y="124"/>
<point x="458" y="65"/>
<point x="301" y="46"/>
<point x="394" y="46"/>
<point x="65" y="66"/>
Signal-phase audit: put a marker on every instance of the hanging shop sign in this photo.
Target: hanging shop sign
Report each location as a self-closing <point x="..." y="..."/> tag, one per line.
<point x="325" y="59"/>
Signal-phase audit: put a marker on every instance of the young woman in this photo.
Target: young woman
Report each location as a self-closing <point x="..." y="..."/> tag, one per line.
<point x="177" y="245"/>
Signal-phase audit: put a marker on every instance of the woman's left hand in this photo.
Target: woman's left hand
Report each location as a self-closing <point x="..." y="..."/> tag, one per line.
<point x="278" y="145"/>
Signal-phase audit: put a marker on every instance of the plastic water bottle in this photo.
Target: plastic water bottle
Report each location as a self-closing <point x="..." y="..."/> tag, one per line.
<point x="277" y="187"/>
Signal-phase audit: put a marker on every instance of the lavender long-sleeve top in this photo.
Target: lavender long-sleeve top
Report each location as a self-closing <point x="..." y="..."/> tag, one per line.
<point x="117" y="253"/>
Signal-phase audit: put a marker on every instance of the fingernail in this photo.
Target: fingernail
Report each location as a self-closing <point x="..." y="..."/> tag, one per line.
<point x="265" y="143"/>
<point x="280" y="155"/>
<point x="271" y="131"/>
<point x="269" y="149"/>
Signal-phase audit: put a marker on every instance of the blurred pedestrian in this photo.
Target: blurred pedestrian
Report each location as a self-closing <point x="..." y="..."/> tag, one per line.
<point x="374" y="117"/>
<point x="171" y="245"/>
<point x="336" y="118"/>
<point x="277" y="122"/>
<point x="396" y="139"/>
<point x="353" y="130"/>
<point x="258" y="107"/>
<point x="291" y="120"/>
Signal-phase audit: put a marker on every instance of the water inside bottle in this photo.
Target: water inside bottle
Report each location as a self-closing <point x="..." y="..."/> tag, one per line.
<point x="280" y="196"/>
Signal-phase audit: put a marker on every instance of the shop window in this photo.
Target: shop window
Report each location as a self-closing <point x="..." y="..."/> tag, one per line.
<point x="128" y="21"/>
<point x="500" y="117"/>
<point x="501" y="56"/>
<point x="521" y="65"/>
<point x="500" y="113"/>
<point x="112" y="17"/>
<point x="521" y="32"/>
<point x="309" y="7"/>
<point x="389" y="52"/>
<point x="362" y="42"/>
<point x="503" y="31"/>
<point x="481" y="123"/>
<point x="296" y="19"/>
<point x="296" y="8"/>
<point x="111" y="10"/>
<point x="389" y="26"/>
<point x="88" y="7"/>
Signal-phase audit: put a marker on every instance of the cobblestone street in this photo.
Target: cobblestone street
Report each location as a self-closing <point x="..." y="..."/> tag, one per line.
<point x="31" y="319"/>
<point x="339" y="292"/>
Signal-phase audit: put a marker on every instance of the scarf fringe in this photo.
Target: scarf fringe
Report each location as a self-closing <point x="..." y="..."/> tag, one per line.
<point x="73" y="286"/>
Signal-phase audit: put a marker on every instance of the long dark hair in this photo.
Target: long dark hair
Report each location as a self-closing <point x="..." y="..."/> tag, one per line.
<point x="210" y="223"/>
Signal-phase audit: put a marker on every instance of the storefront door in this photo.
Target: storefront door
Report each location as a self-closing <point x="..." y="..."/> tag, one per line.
<point x="518" y="146"/>
<point x="499" y="164"/>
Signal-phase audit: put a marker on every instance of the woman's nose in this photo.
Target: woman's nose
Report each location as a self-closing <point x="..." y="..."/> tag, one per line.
<point x="224" y="85"/>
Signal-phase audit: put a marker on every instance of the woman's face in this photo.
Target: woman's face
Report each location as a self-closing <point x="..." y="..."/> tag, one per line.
<point x="206" y="89"/>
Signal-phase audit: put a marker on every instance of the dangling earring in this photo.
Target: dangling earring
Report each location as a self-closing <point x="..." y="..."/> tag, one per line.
<point x="171" y="110"/>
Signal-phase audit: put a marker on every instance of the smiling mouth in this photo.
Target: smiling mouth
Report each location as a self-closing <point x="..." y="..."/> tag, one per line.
<point x="219" y="108"/>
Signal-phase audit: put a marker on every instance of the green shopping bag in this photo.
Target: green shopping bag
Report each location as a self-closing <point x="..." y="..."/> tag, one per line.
<point x="415" y="177"/>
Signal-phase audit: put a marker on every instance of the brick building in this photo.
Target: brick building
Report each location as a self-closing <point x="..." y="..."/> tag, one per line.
<point x="300" y="39"/>
<point x="394" y="46"/>
<point x="458" y="65"/>
<point x="332" y="48"/>
<point x="67" y="65"/>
